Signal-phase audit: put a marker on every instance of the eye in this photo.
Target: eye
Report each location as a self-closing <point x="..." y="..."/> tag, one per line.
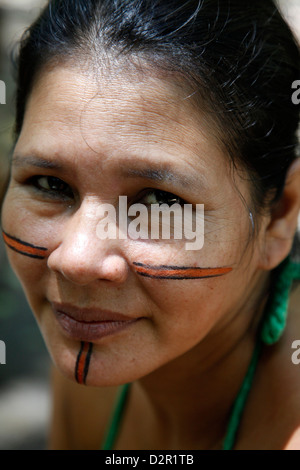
<point x="55" y="187"/>
<point x="156" y="196"/>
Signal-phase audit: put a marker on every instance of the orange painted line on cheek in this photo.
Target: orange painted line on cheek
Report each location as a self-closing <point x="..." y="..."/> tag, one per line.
<point x="178" y="272"/>
<point x="24" y="248"/>
<point x="83" y="362"/>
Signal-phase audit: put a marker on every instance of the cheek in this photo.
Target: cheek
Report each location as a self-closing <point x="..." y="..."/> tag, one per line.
<point x="185" y="312"/>
<point x="197" y="303"/>
<point x="183" y="307"/>
<point x="187" y="308"/>
<point x="28" y="240"/>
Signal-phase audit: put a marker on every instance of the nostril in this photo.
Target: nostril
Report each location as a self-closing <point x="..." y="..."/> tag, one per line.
<point x="114" y="268"/>
<point x="89" y="266"/>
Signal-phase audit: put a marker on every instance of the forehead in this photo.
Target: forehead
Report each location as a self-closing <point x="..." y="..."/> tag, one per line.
<point x="72" y="111"/>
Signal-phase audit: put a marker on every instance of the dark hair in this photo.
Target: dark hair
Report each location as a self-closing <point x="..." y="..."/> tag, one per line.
<point x="240" y="57"/>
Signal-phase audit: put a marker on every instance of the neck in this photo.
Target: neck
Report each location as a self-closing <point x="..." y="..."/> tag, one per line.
<point x="187" y="402"/>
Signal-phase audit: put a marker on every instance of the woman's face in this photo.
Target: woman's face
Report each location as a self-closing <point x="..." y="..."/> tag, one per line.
<point x="84" y="143"/>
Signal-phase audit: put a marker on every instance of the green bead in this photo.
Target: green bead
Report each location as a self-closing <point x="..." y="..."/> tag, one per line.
<point x="277" y="308"/>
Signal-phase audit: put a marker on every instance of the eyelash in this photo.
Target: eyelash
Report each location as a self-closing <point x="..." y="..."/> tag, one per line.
<point x="163" y="197"/>
<point x="51" y="193"/>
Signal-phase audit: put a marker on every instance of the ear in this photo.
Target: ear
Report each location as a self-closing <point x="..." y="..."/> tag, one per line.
<point x="282" y="225"/>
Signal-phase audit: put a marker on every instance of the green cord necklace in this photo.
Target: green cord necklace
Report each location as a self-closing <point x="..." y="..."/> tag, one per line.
<point x="273" y="325"/>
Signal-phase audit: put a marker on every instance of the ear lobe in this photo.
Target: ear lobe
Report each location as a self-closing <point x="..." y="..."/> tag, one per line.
<point x="280" y="232"/>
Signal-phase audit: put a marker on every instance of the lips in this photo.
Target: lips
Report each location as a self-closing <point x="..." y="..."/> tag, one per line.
<point x="90" y="324"/>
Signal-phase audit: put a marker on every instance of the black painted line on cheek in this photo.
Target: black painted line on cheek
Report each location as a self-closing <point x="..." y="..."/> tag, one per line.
<point x="24" y="248"/>
<point x="178" y="272"/>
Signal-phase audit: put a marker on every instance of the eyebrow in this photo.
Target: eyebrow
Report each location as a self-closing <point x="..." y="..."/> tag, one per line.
<point x="19" y="160"/>
<point x="159" y="175"/>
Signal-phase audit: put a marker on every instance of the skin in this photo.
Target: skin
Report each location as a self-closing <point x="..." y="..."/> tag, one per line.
<point x="192" y="334"/>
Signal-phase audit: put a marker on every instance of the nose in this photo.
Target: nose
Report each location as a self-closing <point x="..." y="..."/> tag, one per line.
<point x="81" y="257"/>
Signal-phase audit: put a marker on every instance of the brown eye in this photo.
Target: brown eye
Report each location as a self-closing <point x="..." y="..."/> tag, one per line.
<point x="52" y="185"/>
<point x="161" y="197"/>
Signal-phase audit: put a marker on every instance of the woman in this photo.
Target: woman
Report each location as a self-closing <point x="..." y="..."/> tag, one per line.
<point x="160" y="103"/>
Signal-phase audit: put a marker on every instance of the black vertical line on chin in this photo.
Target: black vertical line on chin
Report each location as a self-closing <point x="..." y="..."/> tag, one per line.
<point x="87" y="362"/>
<point x="77" y="361"/>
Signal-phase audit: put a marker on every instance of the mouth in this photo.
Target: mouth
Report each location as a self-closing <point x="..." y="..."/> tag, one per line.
<point x="90" y="324"/>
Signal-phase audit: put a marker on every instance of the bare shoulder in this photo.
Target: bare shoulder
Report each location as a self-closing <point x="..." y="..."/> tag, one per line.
<point x="80" y="414"/>
<point x="272" y="416"/>
<point x="294" y="441"/>
<point x="285" y="372"/>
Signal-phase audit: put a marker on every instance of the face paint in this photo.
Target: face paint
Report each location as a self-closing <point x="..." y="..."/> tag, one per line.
<point x="24" y="248"/>
<point x="178" y="272"/>
<point x="83" y="362"/>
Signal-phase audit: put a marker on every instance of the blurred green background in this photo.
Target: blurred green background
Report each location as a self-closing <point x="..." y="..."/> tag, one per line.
<point x="25" y="348"/>
<point x="24" y="379"/>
